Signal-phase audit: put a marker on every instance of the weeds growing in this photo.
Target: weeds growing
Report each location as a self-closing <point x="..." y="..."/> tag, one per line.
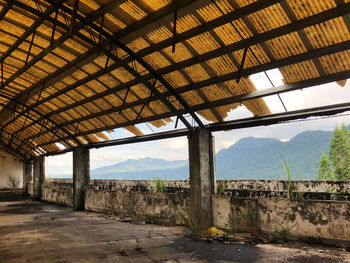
<point x="13" y="182"/>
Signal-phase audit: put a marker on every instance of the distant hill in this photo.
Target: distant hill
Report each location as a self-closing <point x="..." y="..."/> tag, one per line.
<point x="260" y="158"/>
<point x="248" y="158"/>
<point x="143" y="169"/>
<point x="146" y="164"/>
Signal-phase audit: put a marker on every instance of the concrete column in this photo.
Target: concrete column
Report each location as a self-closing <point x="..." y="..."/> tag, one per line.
<point x="27" y="175"/>
<point x="202" y="176"/>
<point x="81" y="176"/>
<point x="39" y="175"/>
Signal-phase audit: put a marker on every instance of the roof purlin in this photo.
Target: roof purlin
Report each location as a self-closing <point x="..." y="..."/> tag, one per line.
<point x="179" y="37"/>
<point x="231" y="76"/>
<point x="91" y="17"/>
<point x="258" y="94"/>
<point x="324" y="24"/>
<point x="93" y="52"/>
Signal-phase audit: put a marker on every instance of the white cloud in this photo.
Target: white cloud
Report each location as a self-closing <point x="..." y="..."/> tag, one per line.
<point x="173" y="144"/>
<point x="60" y="164"/>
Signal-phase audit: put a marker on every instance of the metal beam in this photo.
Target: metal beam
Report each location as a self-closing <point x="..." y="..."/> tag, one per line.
<point x="128" y="140"/>
<point x="228" y="125"/>
<point x="119" y="125"/>
<point x="153" y="89"/>
<point x="262" y="37"/>
<point x="279" y="117"/>
<point x="40" y="114"/>
<point x="205" y="27"/>
<point x="236" y="14"/>
<point x="12" y="152"/>
<point x="93" y="52"/>
<point x="194" y="86"/>
<point x="309" y="83"/>
<point x="239" y="45"/>
<point x="16" y="137"/>
<point x="72" y="21"/>
<point x="57" y="75"/>
<point x="42" y="18"/>
<point x="89" y="18"/>
<point x="4" y="10"/>
<point x="244" y="97"/>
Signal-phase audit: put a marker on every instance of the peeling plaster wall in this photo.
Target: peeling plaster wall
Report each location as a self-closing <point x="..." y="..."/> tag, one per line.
<point x="328" y="220"/>
<point x="139" y="185"/>
<point x="137" y="198"/>
<point x="301" y="218"/>
<point x="152" y="207"/>
<point x="318" y="190"/>
<point x="9" y="165"/>
<point x="59" y="191"/>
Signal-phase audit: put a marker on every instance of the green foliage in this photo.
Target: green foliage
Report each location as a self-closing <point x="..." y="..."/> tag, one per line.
<point x="283" y="234"/>
<point x="149" y="234"/>
<point x="338" y="166"/>
<point x="187" y="217"/>
<point x="286" y="168"/>
<point x="47" y="182"/>
<point x="231" y="225"/>
<point x="325" y="171"/>
<point x="13" y="181"/>
<point x="160" y="185"/>
<point x="303" y="151"/>
<point x="221" y="187"/>
<point x="337" y="195"/>
<point x="138" y="244"/>
<point x="250" y="216"/>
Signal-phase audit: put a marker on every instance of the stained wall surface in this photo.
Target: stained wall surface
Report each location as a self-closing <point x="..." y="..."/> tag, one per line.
<point x="9" y="165"/>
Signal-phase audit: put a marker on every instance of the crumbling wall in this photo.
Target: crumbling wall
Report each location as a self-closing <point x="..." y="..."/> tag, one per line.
<point x="138" y="199"/>
<point x="265" y="209"/>
<point x="171" y="186"/>
<point x="324" y="220"/>
<point x="59" y="191"/>
<point x="150" y="207"/>
<point x="10" y="166"/>
<point x="318" y="190"/>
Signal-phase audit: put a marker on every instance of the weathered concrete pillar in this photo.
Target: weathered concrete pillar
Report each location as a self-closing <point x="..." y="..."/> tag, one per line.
<point x="202" y="176"/>
<point x="39" y="175"/>
<point x="81" y="176"/>
<point x="27" y="175"/>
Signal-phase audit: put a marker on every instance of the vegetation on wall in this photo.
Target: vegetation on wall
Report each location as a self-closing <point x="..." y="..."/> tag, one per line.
<point x="337" y="165"/>
<point x="13" y="181"/>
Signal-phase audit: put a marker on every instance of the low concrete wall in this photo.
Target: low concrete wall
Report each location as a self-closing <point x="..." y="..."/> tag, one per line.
<point x="139" y="185"/>
<point x="59" y="191"/>
<point x="151" y="207"/>
<point x="265" y="211"/>
<point x="327" y="221"/>
<point x="318" y="190"/>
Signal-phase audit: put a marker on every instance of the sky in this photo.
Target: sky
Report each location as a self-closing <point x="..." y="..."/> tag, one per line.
<point x="177" y="148"/>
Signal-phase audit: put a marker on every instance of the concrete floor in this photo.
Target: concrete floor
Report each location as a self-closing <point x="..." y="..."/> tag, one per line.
<point x="39" y="232"/>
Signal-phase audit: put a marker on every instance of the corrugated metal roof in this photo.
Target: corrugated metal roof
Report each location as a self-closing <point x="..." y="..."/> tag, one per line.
<point x="119" y="69"/>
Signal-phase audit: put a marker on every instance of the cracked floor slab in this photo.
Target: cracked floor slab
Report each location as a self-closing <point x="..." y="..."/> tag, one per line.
<point x="32" y="231"/>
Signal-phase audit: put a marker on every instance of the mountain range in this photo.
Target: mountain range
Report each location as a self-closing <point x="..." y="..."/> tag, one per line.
<point x="248" y="158"/>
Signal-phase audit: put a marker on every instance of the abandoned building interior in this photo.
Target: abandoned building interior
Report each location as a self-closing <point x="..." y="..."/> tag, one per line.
<point x="74" y="71"/>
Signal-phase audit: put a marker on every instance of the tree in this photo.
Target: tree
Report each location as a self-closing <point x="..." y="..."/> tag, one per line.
<point x="339" y="153"/>
<point x="325" y="171"/>
<point x="338" y="166"/>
